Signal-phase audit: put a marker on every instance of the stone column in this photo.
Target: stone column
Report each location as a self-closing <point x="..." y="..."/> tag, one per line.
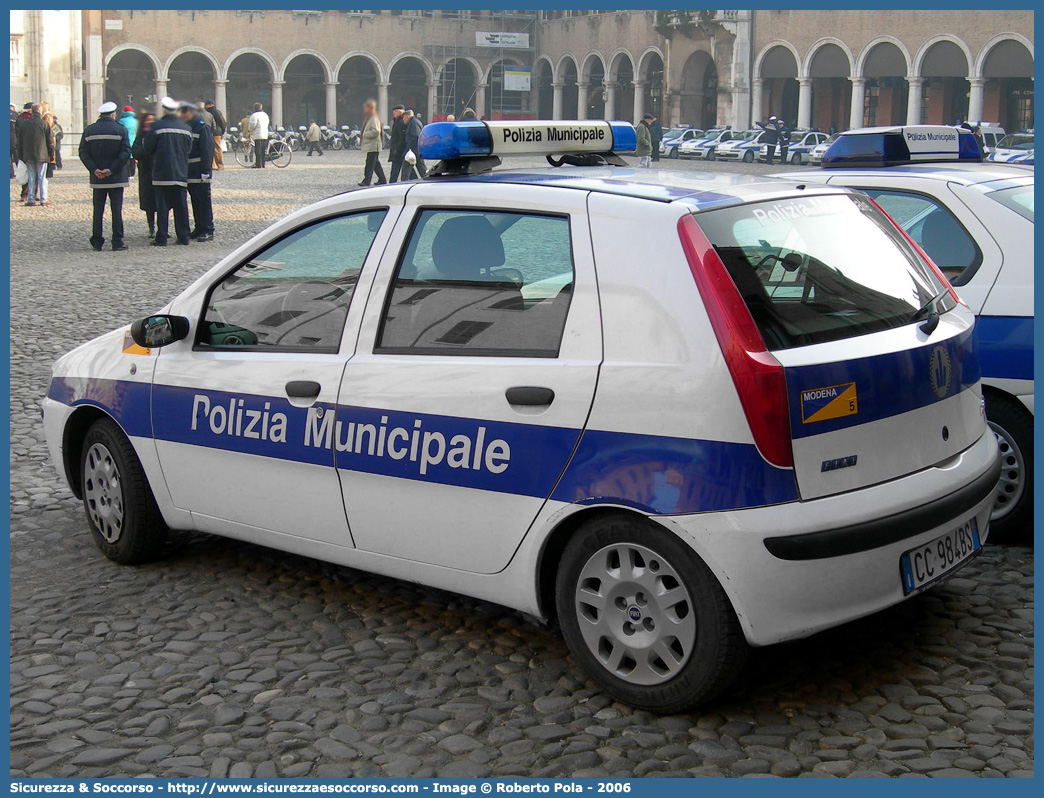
<point x="556" y="100"/>
<point x="276" y="111"/>
<point x="382" y="101"/>
<point x="581" y="100"/>
<point x="433" y="102"/>
<point x="480" y="99"/>
<point x="610" y="100"/>
<point x="858" y="101"/>
<point x="805" y="103"/>
<point x="975" y="99"/>
<point x="221" y="98"/>
<point x="756" y="100"/>
<point x="639" y="102"/>
<point x="331" y="105"/>
<point x="161" y="90"/>
<point x="913" y="105"/>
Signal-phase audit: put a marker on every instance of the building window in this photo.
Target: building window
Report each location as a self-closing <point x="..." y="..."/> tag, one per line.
<point x="873" y="98"/>
<point x="17" y="73"/>
<point x="1020" y="104"/>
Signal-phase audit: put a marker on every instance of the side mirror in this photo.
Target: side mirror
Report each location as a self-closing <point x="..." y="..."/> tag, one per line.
<point x="156" y="331"/>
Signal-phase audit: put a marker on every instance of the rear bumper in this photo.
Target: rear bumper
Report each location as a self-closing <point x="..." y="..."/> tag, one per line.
<point x="857" y="539"/>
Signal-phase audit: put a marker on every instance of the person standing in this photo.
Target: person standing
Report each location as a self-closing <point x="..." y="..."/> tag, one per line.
<point x="36" y="150"/>
<point x="200" y="163"/>
<point x="783" y="136"/>
<point x="258" y="127"/>
<point x="219" y="127"/>
<point x="413" y="133"/>
<point x="769" y="137"/>
<point x="105" y="151"/>
<point x="146" y="191"/>
<point x="643" y="148"/>
<point x="656" y="134"/>
<point x="372" y="142"/>
<point x="314" y="137"/>
<point x="14" y="140"/>
<point x="397" y="145"/>
<point x="129" y="121"/>
<point x="168" y="145"/>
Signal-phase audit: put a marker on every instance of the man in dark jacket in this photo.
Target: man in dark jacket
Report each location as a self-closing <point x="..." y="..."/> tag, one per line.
<point x="200" y="162"/>
<point x="168" y="145"/>
<point x="769" y="138"/>
<point x="783" y="135"/>
<point x="105" y="151"/>
<point x="219" y="132"/>
<point x="656" y="132"/>
<point x="397" y="144"/>
<point x="36" y="150"/>
<point x="413" y="131"/>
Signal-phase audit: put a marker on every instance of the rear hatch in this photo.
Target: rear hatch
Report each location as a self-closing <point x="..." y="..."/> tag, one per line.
<point x="879" y="362"/>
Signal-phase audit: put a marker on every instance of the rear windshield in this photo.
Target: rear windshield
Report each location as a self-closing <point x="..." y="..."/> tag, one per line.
<point x="820" y="268"/>
<point x="1019" y="199"/>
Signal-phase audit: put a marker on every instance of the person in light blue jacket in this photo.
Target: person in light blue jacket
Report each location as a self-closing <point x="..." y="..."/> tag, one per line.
<point x="129" y="121"/>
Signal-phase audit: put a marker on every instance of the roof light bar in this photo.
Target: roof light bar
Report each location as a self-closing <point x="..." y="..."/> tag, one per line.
<point x="453" y="140"/>
<point x="897" y="146"/>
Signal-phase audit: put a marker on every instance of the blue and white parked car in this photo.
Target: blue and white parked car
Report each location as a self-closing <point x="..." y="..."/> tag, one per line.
<point x="1013" y="148"/>
<point x="742" y="147"/>
<point x="704" y="147"/>
<point x="799" y="150"/>
<point x="675" y="137"/>
<point x="815" y="155"/>
<point x="682" y="414"/>
<point x="975" y="221"/>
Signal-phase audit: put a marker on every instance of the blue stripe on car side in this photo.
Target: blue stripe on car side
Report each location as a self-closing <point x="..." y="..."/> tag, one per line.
<point x="1006" y="346"/>
<point x="657" y="474"/>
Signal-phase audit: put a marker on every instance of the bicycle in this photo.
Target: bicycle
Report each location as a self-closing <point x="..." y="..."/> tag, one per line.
<point x="277" y="152"/>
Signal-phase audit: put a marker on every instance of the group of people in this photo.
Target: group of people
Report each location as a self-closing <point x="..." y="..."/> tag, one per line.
<point x="777" y="132"/>
<point x="175" y="157"/>
<point x="403" y="147"/>
<point x="36" y="148"/>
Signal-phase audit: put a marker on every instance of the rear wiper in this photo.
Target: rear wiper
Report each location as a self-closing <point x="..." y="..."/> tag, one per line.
<point x="928" y="312"/>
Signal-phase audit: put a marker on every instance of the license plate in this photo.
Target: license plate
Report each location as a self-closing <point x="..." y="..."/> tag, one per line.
<point x="936" y="558"/>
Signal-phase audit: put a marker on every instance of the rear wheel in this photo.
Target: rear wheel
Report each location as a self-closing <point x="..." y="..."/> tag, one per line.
<point x="645" y="616"/>
<point x="337" y="143"/>
<point x="1012" y="424"/>
<point x="280" y="154"/>
<point x="245" y="154"/>
<point x="125" y="522"/>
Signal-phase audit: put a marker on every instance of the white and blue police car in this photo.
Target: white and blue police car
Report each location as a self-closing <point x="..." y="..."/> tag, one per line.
<point x="673" y="138"/>
<point x="801" y="145"/>
<point x="703" y="147"/>
<point x="975" y="221"/>
<point x="742" y="147"/>
<point x="680" y="414"/>
<point x="1013" y="148"/>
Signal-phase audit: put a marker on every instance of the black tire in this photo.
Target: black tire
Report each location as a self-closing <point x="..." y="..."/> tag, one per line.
<point x="705" y="663"/>
<point x="795" y="160"/>
<point x="709" y="156"/>
<point x="140" y="533"/>
<point x="673" y="153"/>
<point x="1012" y="423"/>
<point x="748" y="156"/>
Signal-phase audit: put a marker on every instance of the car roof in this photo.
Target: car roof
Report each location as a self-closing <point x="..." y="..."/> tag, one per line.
<point x="702" y="190"/>
<point x="968" y="174"/>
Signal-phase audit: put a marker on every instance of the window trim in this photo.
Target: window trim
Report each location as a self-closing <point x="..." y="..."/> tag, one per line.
<point x="198" y="346"/>
<point x="969" y="271"/>
<point x="488" y="353"/>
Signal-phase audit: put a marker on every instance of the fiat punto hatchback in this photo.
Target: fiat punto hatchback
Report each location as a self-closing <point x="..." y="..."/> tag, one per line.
<point x="680" y="415"/>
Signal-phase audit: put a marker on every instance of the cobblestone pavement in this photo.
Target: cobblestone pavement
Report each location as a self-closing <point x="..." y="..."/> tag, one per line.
<point x="227" y="659"/>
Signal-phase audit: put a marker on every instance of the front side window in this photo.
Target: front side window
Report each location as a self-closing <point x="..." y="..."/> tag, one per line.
<point x="936" y="230"/>
<point x="820" y="268"/>
<point x="293" y="295"/>
<point x="482" y="284"/>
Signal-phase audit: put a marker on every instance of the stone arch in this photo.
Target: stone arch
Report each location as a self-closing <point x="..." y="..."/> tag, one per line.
<point x="457" y="78"/>
<point x="329" y="74"/>
<point x="925" y="48"/>
<point x="562" y="65"/>
<point x="865" y="53"/>
<point x="273" y="67"/>
<point x="378" y="67"/>
<point x="429" y="70"/>
<point x="543" y="77"/>
<point x="883" y="64"/>
<point x="190" y="48"/>
<point x="759" y="61"/>
<point x="944" y="64"/>
<point x="621" y="77"/>
<point x="567" y="73"/>
<point x="699" y="90"/>
<point x="358" y="74"/>
<point x="131" y="71"/>
<point x="138" y="48"/>
<point x="409" y="75"/>
<point x="819" y="46"/>
<point x="1000" y="40"/>
<point x="248" y="82"/>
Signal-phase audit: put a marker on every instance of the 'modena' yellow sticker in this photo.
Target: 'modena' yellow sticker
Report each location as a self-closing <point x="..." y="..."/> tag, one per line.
<point x="131" y="348"/>
<point x="835" y="401"/>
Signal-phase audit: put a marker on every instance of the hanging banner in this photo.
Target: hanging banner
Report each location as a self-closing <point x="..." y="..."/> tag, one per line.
<point x="489" y="39"/>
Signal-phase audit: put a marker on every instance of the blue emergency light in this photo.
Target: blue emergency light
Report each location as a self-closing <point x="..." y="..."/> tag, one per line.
<point x="898" y="146"/>
<point x="450" y="141"/>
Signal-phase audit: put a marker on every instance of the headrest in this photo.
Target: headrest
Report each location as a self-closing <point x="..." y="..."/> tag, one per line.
<point x="467" y="246"/>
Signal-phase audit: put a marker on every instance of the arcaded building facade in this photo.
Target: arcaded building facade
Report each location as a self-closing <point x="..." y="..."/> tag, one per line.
<point x="835" y="69"/>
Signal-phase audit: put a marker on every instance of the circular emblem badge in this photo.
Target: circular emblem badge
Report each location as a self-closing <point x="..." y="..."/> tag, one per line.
<point x="634" y="613"/>
<point x="941" y="372"/>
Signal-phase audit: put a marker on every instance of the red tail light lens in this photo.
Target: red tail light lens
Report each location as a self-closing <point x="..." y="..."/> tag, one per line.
<point x="758" y="376"/>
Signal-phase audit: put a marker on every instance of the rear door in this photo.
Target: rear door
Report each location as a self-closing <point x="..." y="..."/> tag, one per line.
<point x="474" y="375"/>
<point x="833" y="288"/>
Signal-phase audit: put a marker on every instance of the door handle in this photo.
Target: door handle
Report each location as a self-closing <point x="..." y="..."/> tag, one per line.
<point x="303" y="389"/>
<point x="530" y="396"/>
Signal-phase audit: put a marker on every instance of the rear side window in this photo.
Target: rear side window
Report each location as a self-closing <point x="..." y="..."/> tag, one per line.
<point x="816" y="269"/>
<point x="1018" y="199"/>
<point x="481" y="284"/>
<point x="935" y="229"/>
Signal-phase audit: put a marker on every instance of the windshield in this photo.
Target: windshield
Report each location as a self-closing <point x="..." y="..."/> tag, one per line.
<point x="1019" y="199"/>
<point x="1016" y="141"/>
<point x="794" y="262"/>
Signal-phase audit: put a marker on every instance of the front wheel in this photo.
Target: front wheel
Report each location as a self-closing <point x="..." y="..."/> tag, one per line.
<point x="1012" y="424"/>
<point x="245" y="154"/>
<point x="125" y="522"/>
<point x="280" y="154"/>
<point x="748" y="156"/>
<point x="645" y="616"/>
<point x="337" y="143"/>
<point x="795" y="160"/>
<point x="672" y="153"/>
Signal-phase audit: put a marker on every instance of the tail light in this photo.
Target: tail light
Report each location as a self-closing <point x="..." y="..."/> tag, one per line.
<point x="758" y="376"/>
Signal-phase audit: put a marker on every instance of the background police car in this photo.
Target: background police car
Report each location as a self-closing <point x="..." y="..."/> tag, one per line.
<point x="621" y="453"/>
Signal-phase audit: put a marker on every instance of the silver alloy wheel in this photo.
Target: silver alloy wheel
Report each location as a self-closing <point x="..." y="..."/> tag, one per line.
<point x="1013" y="473"/>
<point x="103" y="492"/>
<point x="635" y="614"/>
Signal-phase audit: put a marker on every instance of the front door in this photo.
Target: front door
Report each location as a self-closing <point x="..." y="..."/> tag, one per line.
<point x="474" y="375"/>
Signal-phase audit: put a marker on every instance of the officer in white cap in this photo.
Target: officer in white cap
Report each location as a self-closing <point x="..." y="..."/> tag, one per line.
<point x="105" y="151"/>
<point x="168" y="145"/>
<point x="769" y="138"/>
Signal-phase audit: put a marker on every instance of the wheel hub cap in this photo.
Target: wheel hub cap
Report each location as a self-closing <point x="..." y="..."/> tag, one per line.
<point x="1013" y="474"/>
<point x="103" y="492"/>
<point x="635" y="614"/>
